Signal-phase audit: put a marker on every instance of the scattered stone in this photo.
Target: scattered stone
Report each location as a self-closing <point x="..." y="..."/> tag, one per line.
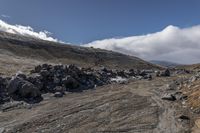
<point x="59" y="89"/>
<point x="148" y="76"/>
<point x="169" y="97"/>
<point x="165" y="73"/>
<point x="184" y="117"/>
<point x="11" y="105"/>
<point x="58" y="94"/>
<point x="143" y="73"/>
<point x="197" y="110"/>
<point x="183" y="97"/>
<point x="157" y="73"/>
<point x="118" y="79"/>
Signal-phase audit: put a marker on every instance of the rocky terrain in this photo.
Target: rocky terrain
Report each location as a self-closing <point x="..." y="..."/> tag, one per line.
<point x="59" y="79"/>
<point x="55" y="88"/>
<point x="67" y="98"/>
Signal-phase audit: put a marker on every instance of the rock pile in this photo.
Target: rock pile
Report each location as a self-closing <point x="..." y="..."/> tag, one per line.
<point x="4" y="97"/>
<point x="58" y="79"/>
<point x="165" y="73"/>
<point x="171" y="91"/>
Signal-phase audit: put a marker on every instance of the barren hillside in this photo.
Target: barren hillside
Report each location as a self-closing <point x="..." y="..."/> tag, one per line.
<point x="18" y="51"/>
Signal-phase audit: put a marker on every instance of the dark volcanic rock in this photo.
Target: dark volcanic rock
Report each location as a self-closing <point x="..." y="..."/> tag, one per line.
<point x="4" y="97"/>
<point x="184" y="117"/>
<point x="60" y="89"/>
<point x="70" y="83"/>
<point x="37" y="80"/>
<point x="44" y="73"/>
<point x="60" y="78"/>
<point x="28" y="90"/>
<point x="165" y="73"/>
<point x="143" y="73"/>
<point x="19" y="89"/>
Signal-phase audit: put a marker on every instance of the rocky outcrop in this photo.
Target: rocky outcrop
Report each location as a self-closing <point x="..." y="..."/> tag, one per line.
<point x="59" y="79"/>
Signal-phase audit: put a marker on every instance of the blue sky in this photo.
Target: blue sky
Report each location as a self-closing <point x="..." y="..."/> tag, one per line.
<point x="84" y="21"/>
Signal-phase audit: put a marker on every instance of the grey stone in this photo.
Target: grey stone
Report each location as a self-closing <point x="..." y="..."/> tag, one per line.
<point x="169" y="97"/>
<point x="58" y="94"/>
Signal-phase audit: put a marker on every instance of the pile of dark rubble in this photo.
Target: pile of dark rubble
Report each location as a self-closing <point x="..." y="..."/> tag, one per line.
<point x="60" y="79"/>
<point x="165" y="73"/>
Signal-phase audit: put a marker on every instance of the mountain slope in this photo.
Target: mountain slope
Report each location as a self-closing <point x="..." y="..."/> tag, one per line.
<point x="24" y="52"/>
<point x="189" y="67"/>
<point x="164" y="63"/>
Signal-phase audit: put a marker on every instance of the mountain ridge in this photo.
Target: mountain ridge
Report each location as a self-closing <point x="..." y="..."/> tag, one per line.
<point x="165" y="63"/>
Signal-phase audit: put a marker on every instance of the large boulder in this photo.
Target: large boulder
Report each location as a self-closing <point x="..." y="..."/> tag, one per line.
<point x="19" y="88"/>
<point x="122" y="74"/>
<point x="37" y="80"/>
<point x="44" y="73"/>
<point x="21" y="75"/>
<point x="165" y="73"/>
<point x="14" y="84"/>
<point x="148" y="76"/>
<point x="28" y="90"/>
<point x="132" y="72"/>
<point x="143" y="73"/>
<point x="70" y="83"/>
<point x="38" y="69"/>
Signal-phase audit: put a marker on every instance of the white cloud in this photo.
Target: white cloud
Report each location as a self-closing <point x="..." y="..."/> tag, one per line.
<point x="25" y="31"/>
<point x="171" y="44"/>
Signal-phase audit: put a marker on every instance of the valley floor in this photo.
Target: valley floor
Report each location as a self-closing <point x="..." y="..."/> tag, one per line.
<point x="135" y="107"/>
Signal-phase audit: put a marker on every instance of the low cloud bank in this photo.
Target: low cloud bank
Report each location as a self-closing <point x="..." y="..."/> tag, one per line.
<point x="171" y="44"/>
<point x="25" y="31"/>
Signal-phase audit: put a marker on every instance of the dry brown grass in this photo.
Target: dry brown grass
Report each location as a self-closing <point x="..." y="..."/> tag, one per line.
<point x="193" y="93"/>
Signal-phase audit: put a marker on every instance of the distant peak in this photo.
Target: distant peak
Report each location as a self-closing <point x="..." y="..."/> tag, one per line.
<point x="25" y="31"/>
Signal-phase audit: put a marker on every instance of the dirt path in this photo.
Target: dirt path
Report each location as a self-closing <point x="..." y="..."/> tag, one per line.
<point x="168" y="110"/>
<point x="135" y="108"/>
